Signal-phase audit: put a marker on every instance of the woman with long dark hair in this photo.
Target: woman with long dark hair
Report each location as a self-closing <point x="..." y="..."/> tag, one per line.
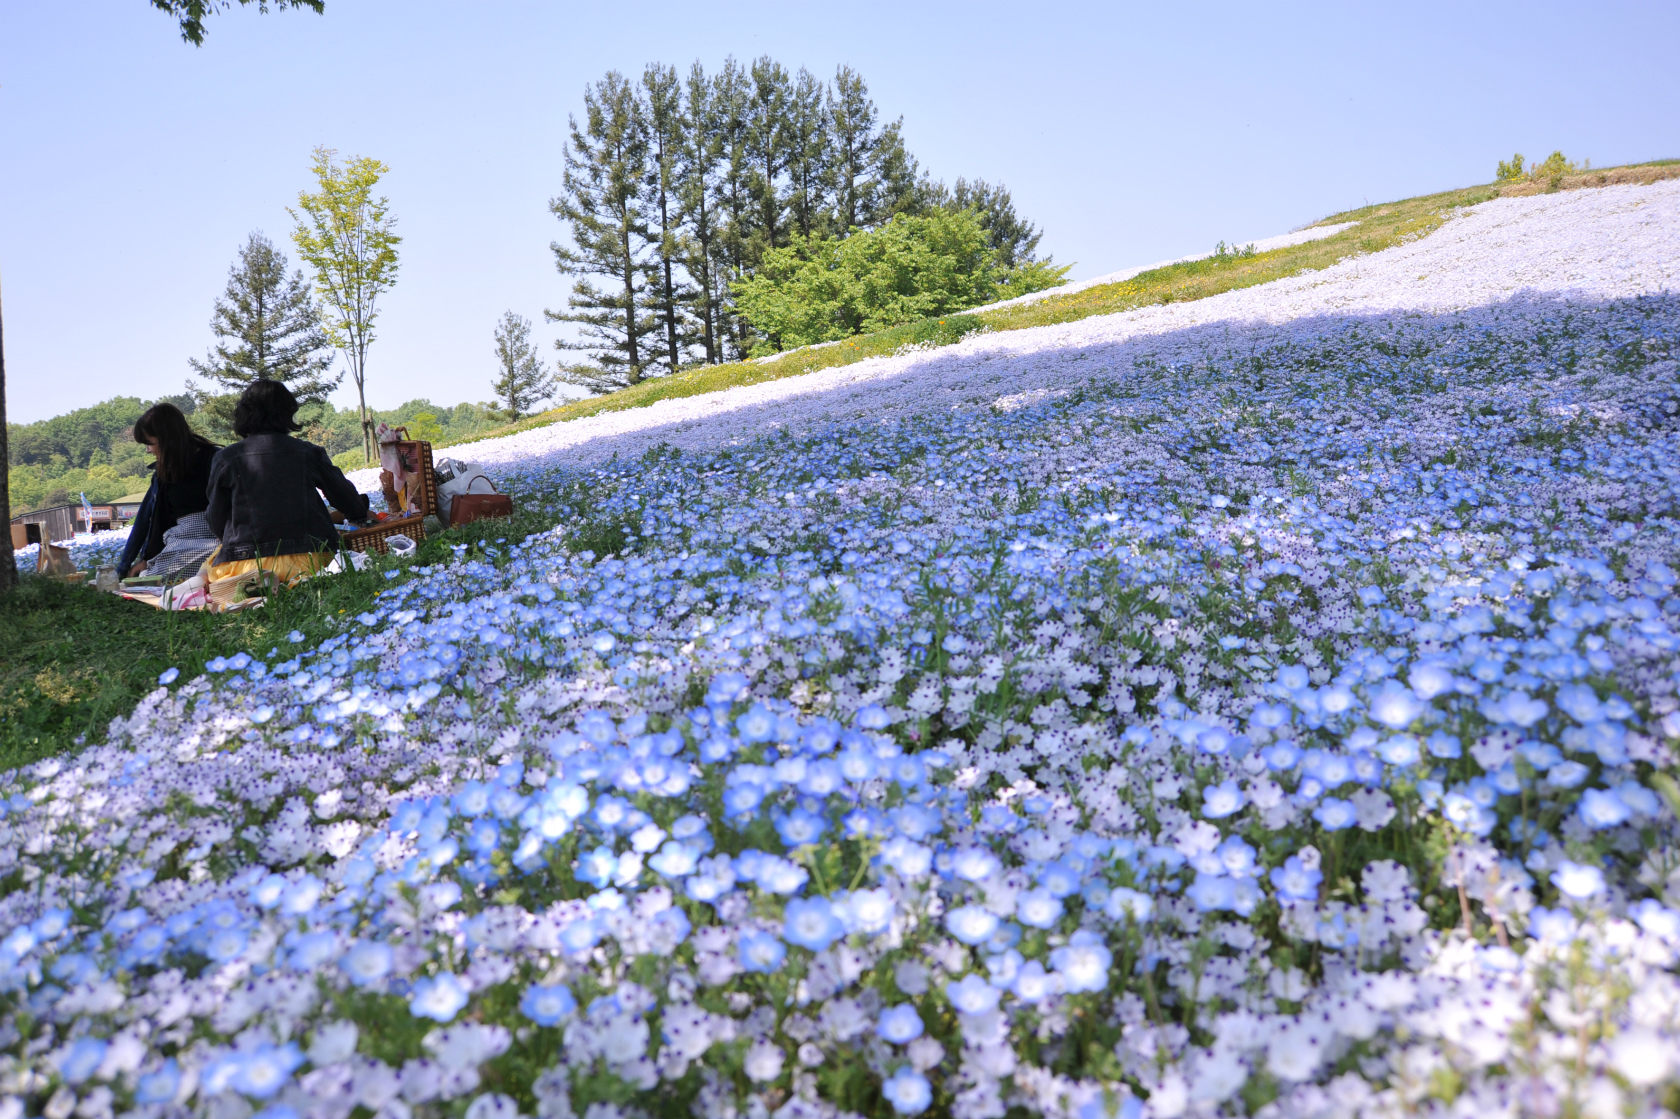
<point x="265" y="492"/>
<point x="158" y="541"/>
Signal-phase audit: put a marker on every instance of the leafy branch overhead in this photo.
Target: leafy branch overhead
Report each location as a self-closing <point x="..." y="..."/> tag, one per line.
<point x="191" y="13"/>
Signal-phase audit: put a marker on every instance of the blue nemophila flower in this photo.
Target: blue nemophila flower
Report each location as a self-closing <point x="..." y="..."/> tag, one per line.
<point x="367" y="962"/>
<point x="161" y="1085"/>
<point x="1334" y="814"/>
<point x="1223" y="799"/>
<point x="1082" y="963"/>
<point x="761" y="952"/>
<point x="899" y="1024"/>
<point x="1577" y="880"/>
<point x="811" y="923"/>
<point x="169" y="676"/>
<point x="971" y="924"/>
<point x="971" y="995"/>
<point x="81" y="1059"/>
<point x="1039" y="909"/>
<point x="908" y="1091"/>
<point x="1603" y="808"/>
<point x="439" y="998"/>
<point x="263" y="1071"/>
<point x="547" y="1006"/>
<point x="1296" y="881"/>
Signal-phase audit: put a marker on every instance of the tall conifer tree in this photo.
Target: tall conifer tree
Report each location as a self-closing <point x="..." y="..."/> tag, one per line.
<point x="808" y="144"/>
<point x="698" y="157"/>
<point x="671" y="294"/>
<point x="769" y="134"/>
<point x="732" y="103"/>
<point x="602" y="203"/>
<point x="270" y="329"/>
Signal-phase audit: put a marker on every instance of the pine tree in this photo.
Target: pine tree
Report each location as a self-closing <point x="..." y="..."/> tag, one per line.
<point x="732" y="101"/>
<point x="698" y="158"/>
<point x="523" y="381"/>
<point x="768" y="134"/>
<point x="271" y="330"/>
<point x="1013" y="239"/>
<point x="851" y="116"/>
<point x="808" y="144"/>
<point x="603" y="205"/>
<point x="665" y="141"/>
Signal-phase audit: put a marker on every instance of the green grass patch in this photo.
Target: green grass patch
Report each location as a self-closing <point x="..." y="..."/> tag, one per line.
<point x="77" y="657"/>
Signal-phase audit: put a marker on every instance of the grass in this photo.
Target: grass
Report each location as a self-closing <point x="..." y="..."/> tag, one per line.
<point x="78" y="657"/>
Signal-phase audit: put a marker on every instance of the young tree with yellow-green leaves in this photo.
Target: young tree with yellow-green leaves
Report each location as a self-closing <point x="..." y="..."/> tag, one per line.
<point x="347" y="236"/>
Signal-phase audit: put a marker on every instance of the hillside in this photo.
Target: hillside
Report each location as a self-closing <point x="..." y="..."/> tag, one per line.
<point x="1367" y="230"/>
<point x="1262" y="703"/>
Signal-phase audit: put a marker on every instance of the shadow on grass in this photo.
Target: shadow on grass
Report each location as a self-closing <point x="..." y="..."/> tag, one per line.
<point x="74" y="658"/>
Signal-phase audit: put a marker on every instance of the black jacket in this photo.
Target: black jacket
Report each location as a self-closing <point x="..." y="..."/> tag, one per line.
<point x="263" y="500"/>
<point x="165" y="504"/>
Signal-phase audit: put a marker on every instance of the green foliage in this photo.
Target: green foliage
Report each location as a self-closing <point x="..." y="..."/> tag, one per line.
<point x="820" y="289"/>
<point x="523" y="381"/>
<point x="676" y="190"/>
<point x="90" y="450"/>
<point x="341" y="434"/>
<point x="603" y="206"/>
<point x="191" y="13"/>
<point x="1552" y="169"/>
<point x="348" y="237"/>
<point x="1510" y="172"/>
<point x="270" y="329"/>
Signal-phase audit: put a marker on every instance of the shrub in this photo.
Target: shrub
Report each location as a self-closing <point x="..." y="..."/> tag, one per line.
<point x="1510" y="172"/>
<point x="821" y="289"/>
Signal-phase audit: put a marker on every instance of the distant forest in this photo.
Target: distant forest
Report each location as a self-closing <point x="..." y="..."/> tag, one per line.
<point x="92" y="450"/>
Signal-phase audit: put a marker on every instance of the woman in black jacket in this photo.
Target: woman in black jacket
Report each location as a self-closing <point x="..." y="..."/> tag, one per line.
<point x="180" y="484"/>
<point x="265" y="492"/>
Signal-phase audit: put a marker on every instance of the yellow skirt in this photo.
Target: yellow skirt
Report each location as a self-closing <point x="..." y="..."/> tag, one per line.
<point x="287" y="569"/>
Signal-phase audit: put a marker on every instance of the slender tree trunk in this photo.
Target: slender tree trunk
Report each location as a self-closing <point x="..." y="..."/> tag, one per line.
<point x="362" y="408"/>
<point x="8" y="562"/>
<point x="630" y="303"/>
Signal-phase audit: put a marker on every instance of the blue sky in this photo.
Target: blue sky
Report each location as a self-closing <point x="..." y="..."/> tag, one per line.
<point x="132" y="166"/>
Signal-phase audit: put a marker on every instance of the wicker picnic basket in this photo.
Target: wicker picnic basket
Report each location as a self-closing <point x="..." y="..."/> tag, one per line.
<point x="374" y="537"/>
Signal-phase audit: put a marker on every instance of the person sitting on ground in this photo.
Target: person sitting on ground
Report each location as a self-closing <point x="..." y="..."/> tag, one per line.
<point x="169" y="533"/>
<point x="265" y="492"/>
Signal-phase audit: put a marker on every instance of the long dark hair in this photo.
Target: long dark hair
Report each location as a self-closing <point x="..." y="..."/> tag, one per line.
<point x="265" y="405"/>
<point x="177" y="443"/>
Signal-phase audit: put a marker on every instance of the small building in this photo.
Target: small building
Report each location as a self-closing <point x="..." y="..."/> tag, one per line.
<point x="61" y="522"/>
<point x="127" y="508"/>
<point x="56" y="523"/>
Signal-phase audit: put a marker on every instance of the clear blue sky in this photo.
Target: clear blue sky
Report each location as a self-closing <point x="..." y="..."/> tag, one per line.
<point x="132" y="165"/>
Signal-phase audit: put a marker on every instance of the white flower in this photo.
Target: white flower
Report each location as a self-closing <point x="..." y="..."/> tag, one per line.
<point x="1642" y="1055"/>
<point x="763" y="1061"/>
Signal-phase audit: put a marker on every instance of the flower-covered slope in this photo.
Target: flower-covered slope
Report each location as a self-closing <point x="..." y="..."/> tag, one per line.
<point x="1268" y="714"/>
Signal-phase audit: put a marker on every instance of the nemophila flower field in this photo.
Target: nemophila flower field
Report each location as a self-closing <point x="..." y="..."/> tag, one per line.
<point x="1281" y="726"/>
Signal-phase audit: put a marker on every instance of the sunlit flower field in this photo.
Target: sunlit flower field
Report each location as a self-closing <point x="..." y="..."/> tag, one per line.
<point x="1262" y="706"/>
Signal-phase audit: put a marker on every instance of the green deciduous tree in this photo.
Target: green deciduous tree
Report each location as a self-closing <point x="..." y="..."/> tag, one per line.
<point x="602" y="203"/>
<point x="270" y="329"/>
<point x="522" y="380"/>
<point x="822" y="289"/>
<point x="348" y="237"/>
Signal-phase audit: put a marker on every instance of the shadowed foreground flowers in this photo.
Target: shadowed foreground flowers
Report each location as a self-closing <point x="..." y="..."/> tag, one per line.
<point x="1173" y="746"/>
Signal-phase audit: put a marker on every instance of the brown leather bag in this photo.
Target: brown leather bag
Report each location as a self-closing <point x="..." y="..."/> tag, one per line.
<point x="466" y="508"/>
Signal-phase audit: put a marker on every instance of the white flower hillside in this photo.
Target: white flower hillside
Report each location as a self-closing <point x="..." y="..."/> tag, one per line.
<point x="1261" y="706"/>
